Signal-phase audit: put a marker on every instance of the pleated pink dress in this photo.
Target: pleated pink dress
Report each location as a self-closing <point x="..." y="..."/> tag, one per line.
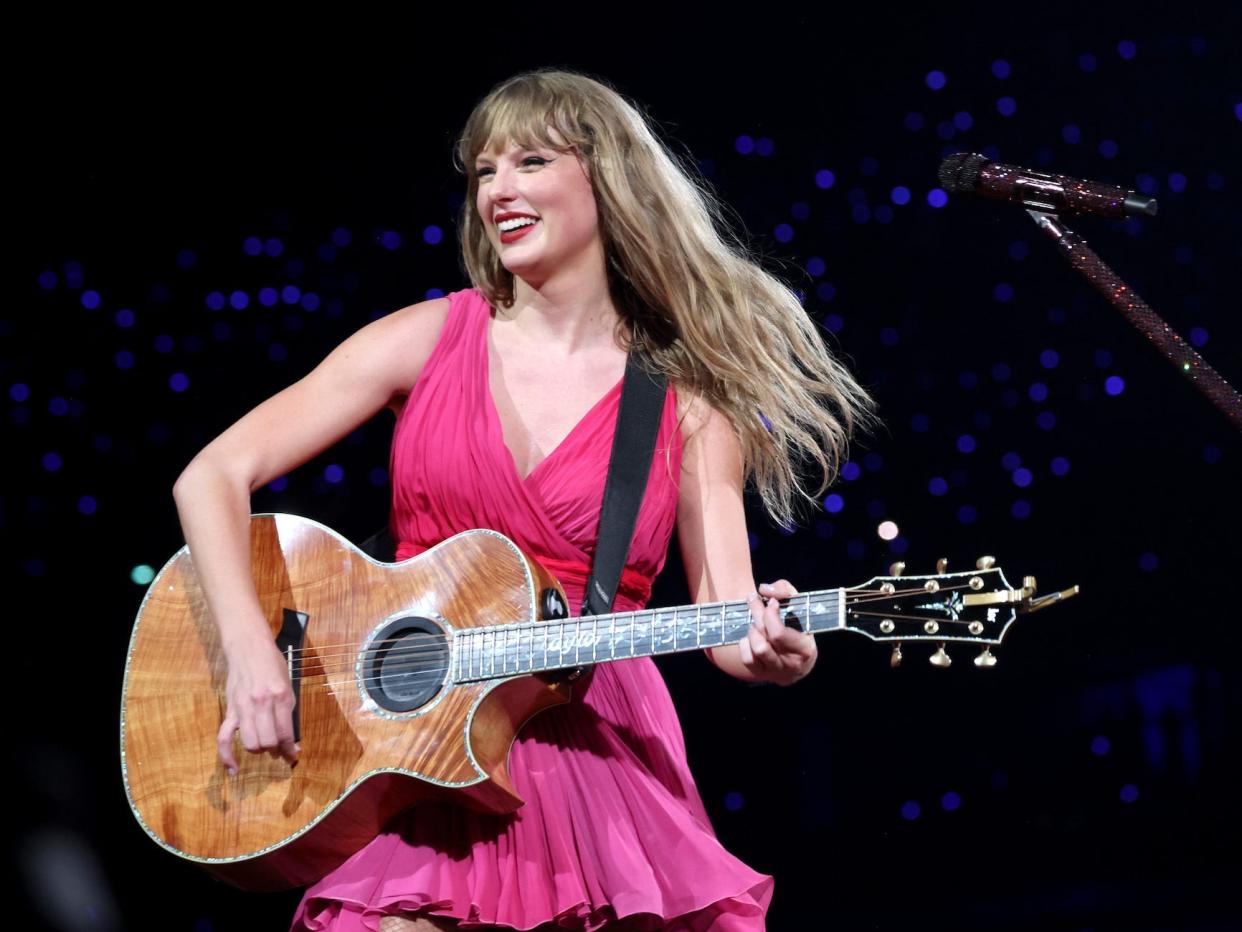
<point x="613" y="826"/>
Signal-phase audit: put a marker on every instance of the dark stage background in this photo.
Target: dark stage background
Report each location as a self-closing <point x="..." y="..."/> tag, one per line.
<point x="198" y="228"/>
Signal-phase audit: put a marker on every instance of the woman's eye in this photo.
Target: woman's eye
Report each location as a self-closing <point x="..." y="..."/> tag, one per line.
<point x="483" y="170"/>
<point x="534" y="160"/>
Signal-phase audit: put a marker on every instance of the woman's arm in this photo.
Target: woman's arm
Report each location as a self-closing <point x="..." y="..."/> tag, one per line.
<point x="362" y="375"/>
<point x="711" y="526"/>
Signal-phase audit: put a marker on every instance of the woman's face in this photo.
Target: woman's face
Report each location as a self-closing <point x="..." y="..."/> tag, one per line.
<point x="538" y="209"/>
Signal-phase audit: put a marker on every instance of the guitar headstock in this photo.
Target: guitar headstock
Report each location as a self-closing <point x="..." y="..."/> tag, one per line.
<point x="974" y="606"/>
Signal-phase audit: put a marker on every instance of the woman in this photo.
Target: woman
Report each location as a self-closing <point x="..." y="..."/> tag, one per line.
<point x="582" y="238"/>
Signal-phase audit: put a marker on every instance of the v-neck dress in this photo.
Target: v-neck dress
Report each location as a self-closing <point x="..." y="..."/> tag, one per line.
<point x="613" y="825"/>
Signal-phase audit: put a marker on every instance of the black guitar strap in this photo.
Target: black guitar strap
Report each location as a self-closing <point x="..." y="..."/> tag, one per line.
<point x="638" y="423"/>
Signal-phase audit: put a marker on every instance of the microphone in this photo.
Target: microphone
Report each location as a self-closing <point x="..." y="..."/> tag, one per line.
<point x="970" y="173"/>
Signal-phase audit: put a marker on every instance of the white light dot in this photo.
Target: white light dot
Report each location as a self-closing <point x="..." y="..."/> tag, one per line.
<point x="887" y="530"/>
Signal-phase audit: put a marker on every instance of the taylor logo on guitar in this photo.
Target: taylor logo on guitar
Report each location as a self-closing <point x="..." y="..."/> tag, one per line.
<point x="413" y="678"/>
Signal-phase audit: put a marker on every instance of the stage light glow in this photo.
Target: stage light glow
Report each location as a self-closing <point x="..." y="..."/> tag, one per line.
<point x="87" y="505"/>
<point x="1148" y="562"/>
<point x="744" y="145"/>
<point x="273" y="247"/>
<point x="1129" y="793"/>
<point x="966" y="443"/>
<point x="277" y="352"/>
<point x="310" y="301"/>
<point x="900" y="195"/>
<point x="239" y="300"/>
<point x="1100" y="745"/>
<point x="1022" y="477"/>
<point x="1045" y="420"/>
<point x="47" y="279"/>
<point x="90" y="300"/>
<point x="378" y="476"/>
<point x="869" y="165"/>
<point x="861" y="213"/>
<point x="910" y="810"/>
<point x="950" y="801"/>
<point x="815" y="266"/>
<point x="433" y="293"/>
<point x="889" y="336"/>
<point x="833" y="503"/>
<point x="1071" y="133"/>
<point x="734" y="801"/>
<point x="913" y="122"/>
<point x="1049" y="358"/>
<point x="1001" y="371"/>
<point x="432" y="235"/>
<point x="19" y="391"/>
<point x="164" y="343"/>
<point x="967" y="514"/>
<point x="887" y="530"/>
<point x="945" y="130"/>
<point x="291" y="294"/>
<point x="825" y="179"/>
<point x="1126" y="49"/>
<point x="937" y="198"/>
<point x="800" y="210"/>
<point x="1011" y="461"/>
<point x="123" y="359"/>
<point x="783" y="233"/>
<point x="764" y="146"/>
<point x="1018" y="250"/>
<point x="186" y="259"/>
<point x="1086" y="62"/>
<point x="1000" y="69"/>
<point x="1037" y="391"/>
<point x="52" y="461"/>
<point x="850" y="471"/>
<point x="1108" y="148"/>
<point x="1003" y="292"/>
<point x="963" y="120"/>
<point x="834" y="322"/>
<point x="252" y="246"/>
<point x="884" y="214"/>
<point x="341" y="237"/>
<point x="826" y="291"/>
<point x="935" y="80"/>
<point x="1020" y="509"/>
<point x="179" y="382"/>
<point x="1060" y="466"/>
<point x="967" y="379"/>
<point x="58" y="407"/>
<point x="390" y="240"/>
<point x="279" y="484"/>
<point x="1006" y="106"/>
<point x="1147" y="184"/>
<point x="920" y="423"/>
<point x="1114" y="385"/>
<point x="873" y="461"/>
<point x="1177" y="182"/>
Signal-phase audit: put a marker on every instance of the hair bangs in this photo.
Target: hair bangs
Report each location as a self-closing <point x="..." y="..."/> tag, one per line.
<point x="530" y="111"/>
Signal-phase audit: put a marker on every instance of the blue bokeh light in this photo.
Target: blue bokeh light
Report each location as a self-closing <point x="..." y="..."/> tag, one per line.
<point x="935" y="80"/>
<point x="1022" y="477"/>
<point x="1071" y="133"/>
<point x="937" y="198"/>
<point x="744" y="145"/>
<point x="1129" y="793"/>
<point x="87" y="505"/>
<point x="1060" y="466"/>
<point x="966" y="443"/>
<point x="1126" y="49"/>
<point x="52" y="461"/>
<point x="1148" y="562"/>
<point x="937" y="486"/>
<point x="950" y="801"/>
<point x="1000" y="69"/>
<point x="764" y="146"/>
<point x="390" y="240"/>
<point x="1049" y="358"/>
<point x="239" y="300"/>
<point x="815" y="266"/>
<point x="273" y="247"/>
<point x="179" y="381"/>
<point x="1087" y="62"/>
<point x="333" y="473"/>
<point x="432" y="235"/>
<point x="967" y="514"/>
<point x="1108" y="148"/>
<point x="1006" y="106"/>
<point x="783" y="233"/>
<point x="833" y="503"/>
<point x="90" y="300"/>
<point x="910" y="810"/>
<point x="252" y="246"/>
<point x="1037" y="391"/>
<point x="734" y="801"/>
<point x="1114" y="385"/>
<point x="1020" y="509"/>
<point x="900" y="195"/>
<point x="1100" y="745"/>
<point x="850" y="471"/>
<point x="47" y="279"/>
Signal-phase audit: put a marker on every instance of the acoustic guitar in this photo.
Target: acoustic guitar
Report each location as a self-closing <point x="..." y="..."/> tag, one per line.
<point x="412" y="679"/>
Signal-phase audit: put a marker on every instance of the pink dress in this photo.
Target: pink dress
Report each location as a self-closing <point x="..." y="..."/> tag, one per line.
<point x="613" y="826"/>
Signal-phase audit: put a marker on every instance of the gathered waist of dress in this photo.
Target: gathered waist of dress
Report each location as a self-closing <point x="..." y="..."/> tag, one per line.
<point x="634" y="587"/>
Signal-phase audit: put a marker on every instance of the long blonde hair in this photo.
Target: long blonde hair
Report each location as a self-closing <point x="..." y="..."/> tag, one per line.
<point x="700" y="308"/>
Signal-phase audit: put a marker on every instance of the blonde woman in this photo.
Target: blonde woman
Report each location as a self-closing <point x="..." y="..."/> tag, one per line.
<point x="583" y="238"/>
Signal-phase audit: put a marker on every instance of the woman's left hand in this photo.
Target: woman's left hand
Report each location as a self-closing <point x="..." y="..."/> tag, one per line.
<point x="771" y="650"/>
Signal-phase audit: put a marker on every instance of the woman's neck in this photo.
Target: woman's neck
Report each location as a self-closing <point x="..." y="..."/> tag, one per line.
<point x="575" y="312"/>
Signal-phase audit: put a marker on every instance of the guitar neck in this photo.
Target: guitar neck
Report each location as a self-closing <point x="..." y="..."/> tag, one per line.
<point x="502" y="651"/>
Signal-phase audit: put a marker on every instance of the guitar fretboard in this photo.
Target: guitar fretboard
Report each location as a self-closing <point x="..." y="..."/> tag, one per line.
<point x="535" y="647"/>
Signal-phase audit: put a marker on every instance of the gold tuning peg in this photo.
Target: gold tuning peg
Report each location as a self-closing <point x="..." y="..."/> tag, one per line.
<point x="896" y="569"/>
<point x="941" y="565"/>
<point x="986" y="658"/>
<point x="940" y="658"/>
<point x="985" y="563"/>
<point x="894" y="659"/>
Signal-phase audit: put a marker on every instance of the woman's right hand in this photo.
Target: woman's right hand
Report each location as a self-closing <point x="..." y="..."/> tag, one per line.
<point x="260" y="704"/>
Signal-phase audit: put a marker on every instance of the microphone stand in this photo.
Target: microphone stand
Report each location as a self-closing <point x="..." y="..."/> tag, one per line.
<point x="1140" y="315"/>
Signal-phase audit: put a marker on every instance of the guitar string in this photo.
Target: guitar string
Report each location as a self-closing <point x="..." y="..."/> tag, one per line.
<point x="351" y="648"/>
<point x="412" y="660"/>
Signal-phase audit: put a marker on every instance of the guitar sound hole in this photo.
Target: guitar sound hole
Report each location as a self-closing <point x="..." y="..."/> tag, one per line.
<point x="406" y="664"/>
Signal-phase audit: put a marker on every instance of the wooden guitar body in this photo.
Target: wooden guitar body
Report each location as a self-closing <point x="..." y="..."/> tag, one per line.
<point x="369" y="646"/>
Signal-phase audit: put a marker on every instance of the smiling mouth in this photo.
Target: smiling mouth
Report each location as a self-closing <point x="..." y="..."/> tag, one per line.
<point x="513" y="230"/>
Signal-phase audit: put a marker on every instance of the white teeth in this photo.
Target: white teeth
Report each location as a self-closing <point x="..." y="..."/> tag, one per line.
<point x="506" y="225"/>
